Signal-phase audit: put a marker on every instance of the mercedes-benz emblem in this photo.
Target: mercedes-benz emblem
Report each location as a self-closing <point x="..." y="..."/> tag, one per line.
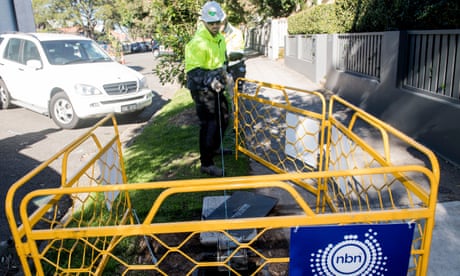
<point x="123" y="88"/>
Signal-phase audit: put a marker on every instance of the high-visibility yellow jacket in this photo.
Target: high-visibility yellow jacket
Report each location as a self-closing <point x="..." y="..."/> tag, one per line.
<point x="205" y="51"/>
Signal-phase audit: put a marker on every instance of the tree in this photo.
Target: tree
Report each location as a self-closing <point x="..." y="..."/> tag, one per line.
<point x="238" y="11"/>
<point x="86" y="14"/>
<point x="375" y="15"/>
<point x="42" y="14"/>
<point x="275" y="8"/>
<point x="174" y="24"/>
<point x="135" y="16"/>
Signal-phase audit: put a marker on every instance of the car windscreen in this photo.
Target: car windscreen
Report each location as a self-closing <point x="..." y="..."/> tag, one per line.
<point x="61" y="52"/>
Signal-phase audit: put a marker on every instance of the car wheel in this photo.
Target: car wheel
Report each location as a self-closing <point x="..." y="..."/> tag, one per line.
<point x="5" y="98"/>
<point x="156" y="53"/>
<point x="62" y="112"/>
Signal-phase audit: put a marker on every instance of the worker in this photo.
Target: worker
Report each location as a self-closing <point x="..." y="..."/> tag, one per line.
<point x="205" y="57"/>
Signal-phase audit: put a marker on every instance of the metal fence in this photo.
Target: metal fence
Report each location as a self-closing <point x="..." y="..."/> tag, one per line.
<point x="301" y="46"/>
<point x="267" y="38"/>
<point x="433" y="62"/>
<point x="291" y="46"/>
<point x="360" y="54"/>
<point x="334" y="164"/>
<point x="428" y="60"/>
<point x="258" y="38"/>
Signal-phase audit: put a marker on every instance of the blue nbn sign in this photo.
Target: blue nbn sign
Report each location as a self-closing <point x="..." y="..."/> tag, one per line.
<point x="351" y="250"/>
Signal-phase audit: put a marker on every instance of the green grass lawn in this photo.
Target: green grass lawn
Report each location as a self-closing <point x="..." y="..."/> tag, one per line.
<point x="167" y="149"/>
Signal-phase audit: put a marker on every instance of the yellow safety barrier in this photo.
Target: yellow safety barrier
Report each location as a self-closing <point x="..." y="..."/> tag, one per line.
<point x="334" y="164"/>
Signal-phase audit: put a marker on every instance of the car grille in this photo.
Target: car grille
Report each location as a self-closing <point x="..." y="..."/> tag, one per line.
<point x="120" y="88"/>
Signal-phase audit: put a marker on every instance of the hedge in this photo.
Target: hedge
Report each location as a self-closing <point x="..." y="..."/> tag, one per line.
<point x="315" y="20"/>
<point x="376" y="16"/>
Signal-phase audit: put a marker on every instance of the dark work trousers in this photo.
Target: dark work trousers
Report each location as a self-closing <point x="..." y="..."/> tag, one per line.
<point x="207" y="108"/>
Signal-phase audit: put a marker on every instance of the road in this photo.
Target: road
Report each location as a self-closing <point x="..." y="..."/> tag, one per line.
<point x="28" y="138"/>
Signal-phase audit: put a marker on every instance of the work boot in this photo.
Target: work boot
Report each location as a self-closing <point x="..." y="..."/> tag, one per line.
<point x="212" y="170"/>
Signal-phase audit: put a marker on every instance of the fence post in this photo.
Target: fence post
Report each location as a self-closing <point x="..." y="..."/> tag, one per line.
<point x="390" y="58"/>
<point x="273" y="45"/>
<point x="402" y="59"/>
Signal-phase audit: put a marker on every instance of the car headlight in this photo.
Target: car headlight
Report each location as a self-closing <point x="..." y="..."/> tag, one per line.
<point x="86" y="90"/>
<point x="143" y="83"/>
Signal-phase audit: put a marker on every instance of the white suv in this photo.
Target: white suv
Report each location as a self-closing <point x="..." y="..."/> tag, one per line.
<point x="67" y="77"/>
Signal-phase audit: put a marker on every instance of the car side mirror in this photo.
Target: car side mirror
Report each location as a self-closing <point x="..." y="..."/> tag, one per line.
<point x="34" y="64"/>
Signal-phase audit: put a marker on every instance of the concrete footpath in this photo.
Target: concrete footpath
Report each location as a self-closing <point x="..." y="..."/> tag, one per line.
<point x="445" y="249"/>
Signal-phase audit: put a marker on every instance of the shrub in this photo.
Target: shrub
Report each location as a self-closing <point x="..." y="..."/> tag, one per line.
<point x="316" y="20"/>
<point x="376" y="16"/>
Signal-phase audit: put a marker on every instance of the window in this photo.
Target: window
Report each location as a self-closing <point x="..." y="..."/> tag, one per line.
<point x="62" y="52"/>
<point x="12" y="50"/>
<point x="30" y="51"/>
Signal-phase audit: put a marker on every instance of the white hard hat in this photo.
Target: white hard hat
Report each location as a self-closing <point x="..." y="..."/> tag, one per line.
<point x="212" y="12"/>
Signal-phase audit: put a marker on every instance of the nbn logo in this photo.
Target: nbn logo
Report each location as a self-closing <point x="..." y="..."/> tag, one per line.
<point x="349" y="259"/>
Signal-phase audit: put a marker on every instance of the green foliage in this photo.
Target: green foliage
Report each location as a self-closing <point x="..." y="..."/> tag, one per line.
<point x="345" y="11"/>
<point x="83" y="13"/>
<point x="433" y="14"/>
<point x="135" y="16"/>
<point x="275" y="8"/>
<point x="174" y="24"/>
<point x="376" y="16"/>
<point x="373" y="15"/>
<point x="316" y="20"/>
<point x="42" y="14"/>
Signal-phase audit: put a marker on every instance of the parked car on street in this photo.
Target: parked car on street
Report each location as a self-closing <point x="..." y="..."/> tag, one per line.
<point x="138" y="47"/>
<point x="67" y="77"/>
<point x="146" y="46"/>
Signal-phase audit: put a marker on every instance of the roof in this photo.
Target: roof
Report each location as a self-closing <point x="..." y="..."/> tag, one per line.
<point x="50" y="36"/>
<point x="57" y="36"/>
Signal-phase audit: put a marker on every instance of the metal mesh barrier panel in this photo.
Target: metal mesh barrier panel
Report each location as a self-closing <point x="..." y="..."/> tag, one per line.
<point x="332" y="163"/>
